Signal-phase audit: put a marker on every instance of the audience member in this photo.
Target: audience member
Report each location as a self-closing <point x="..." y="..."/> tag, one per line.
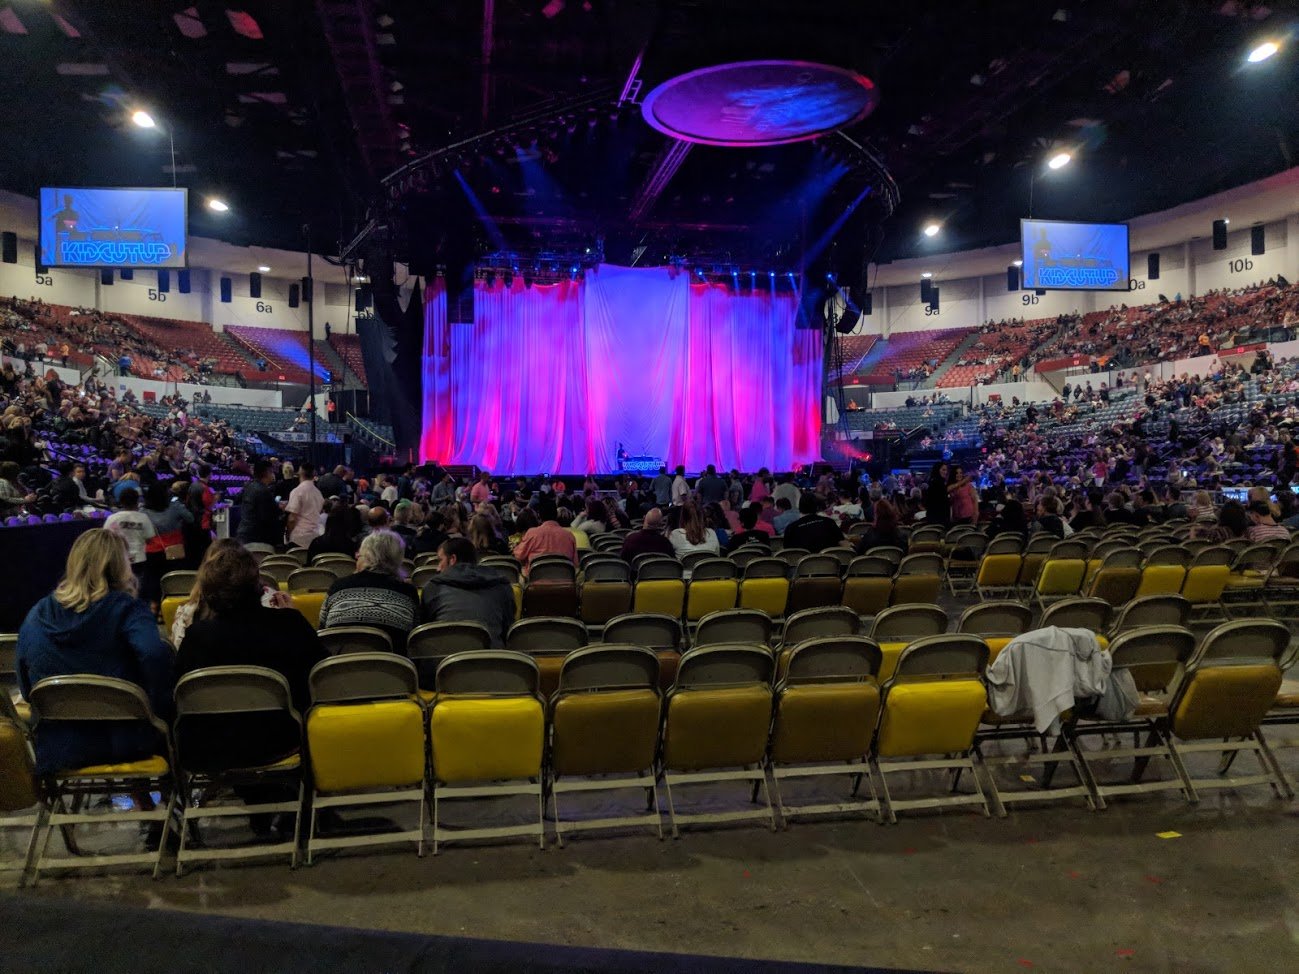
<point x="693" y="535"/>
<point x="649" y="540"/>
<point x="375" y="595"/>
<point x="462" y="591"/>
<point x="303" y="508"/>
<point x="811" y="530"/>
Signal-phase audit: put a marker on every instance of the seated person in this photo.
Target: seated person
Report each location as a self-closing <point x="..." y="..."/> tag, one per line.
<point x="342" y="526"/>
<point x="693" y="535"/>
<point x="649" y="540"/>
<point x="811" y="530"/>
<point x="548" y="538"/>
<point x="461" y="591"/>
<point x="750" y="533"/>
<point x="93" y="623"/>
<point x="375" y="595"/>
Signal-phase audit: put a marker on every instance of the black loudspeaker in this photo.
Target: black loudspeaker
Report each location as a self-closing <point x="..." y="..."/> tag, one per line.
<point x="1040" y="292"/>
<point x="926" y="289"/>
<point x="1152" y="267"/>
<point x="182" y="281"/>
<point x="226" y="290"/>
<point x="9" y="243"/>
<point x="164" y="281"/>
<point x="127" y="273"/>
<point x="254" y="285"/>
<point x="1256" y="242"/>
<point x="293" y="295"/>
<point x="1219" y="234"/>
<point x="306" y="290"/>
<point x="1012" y="278"/>
<point x="867" y="303"/>
<point x="40" y="268"/>
<point x="363" y="297"/>
<point x="106" y="276"/>
<point x="933" y="298"/>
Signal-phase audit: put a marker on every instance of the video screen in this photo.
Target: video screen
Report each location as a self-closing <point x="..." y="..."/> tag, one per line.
<point x="1074" y="256"/>
<point x="113" y="227"/>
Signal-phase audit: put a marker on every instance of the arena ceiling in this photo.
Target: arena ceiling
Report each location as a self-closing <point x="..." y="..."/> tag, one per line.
<point x="295" y="111"/>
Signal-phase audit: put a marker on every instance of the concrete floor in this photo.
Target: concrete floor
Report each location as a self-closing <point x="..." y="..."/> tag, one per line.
<point x="1052" y="887"/>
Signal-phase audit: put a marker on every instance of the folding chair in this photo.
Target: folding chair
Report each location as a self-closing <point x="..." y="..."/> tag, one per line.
<point x="693" y="558"/>
<point x="715" y="729"/>
<point x="841" y="554"/>
<point x="919" y="579"/>
<point x="20" y="800"/>
<point x="660" y="633"/>
<point x="354" y="639"/>
<point x="997" y="623"/>
<point x="296" y="554"/>
<point x="280" y="567"/>
<point x="930" y="711"/>
<point x="926" y="540"/>
<point x="9" y="676"/>
<point x="551" y="588"/>
<point x="752" y="551"/>
<point x="308" y="588"/>
<point x="606" y="591"/>
<point x="828" y="620"/>
<point x="660" y="588"/>
<point x="1206" y="579"/>
<point x="792" y="556"/>
<point x="176" y="589"/>
<point x="1225" y="692"/>
<point x="1165" y="571"/>
<point x="1062" y="572"/>
<point x="966" y="549"/>
<point x="1079" y="613"/>
<point x="547" y="640"/>
<point x="604" y="731"/>
<point x="827" y="705"/>
<point x="422" y="576"/>
<point x="1117" y="578"/>
<point x="894" y="555"/>
<point x="1243" y="594"/>
<point x="211" y="703"/>
<point x="868" y="584"/>
<point x="1281" y="587"/>
<point x="1153" y="610"/>
<point x="713" y="585"/>
<point x="1039" y="546"/>
<point x="339" y="569"/>
<point x="764" y="585"/>
<point x="733" y="626"/>
<point x="998" y="569"/>
<point x="332" y="558"/>
<point x="105" y="701"/>
<point x="896" y="628"/>
<point x="487" y="731"/>
<point x="367" y="741"/>
<point x="429" y="644"/>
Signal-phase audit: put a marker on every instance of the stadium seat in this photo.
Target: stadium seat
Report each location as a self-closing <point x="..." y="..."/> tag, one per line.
<point x="733" y="626"/>
<point x="896" y="628"/>
<point x="713" y="585"/>
<point x="868" y="584"/>
<point x="659" y="587"/>
<point x="20" y="803"/>
<point x="547" y="640"/>
<point x="606" y="591"/>
<point x="919" y="579"/>
<point x="764" y="585"/>
<point x="354" y="639"/>
<point x="997" y="623"/>
<point x="430" y="643"/>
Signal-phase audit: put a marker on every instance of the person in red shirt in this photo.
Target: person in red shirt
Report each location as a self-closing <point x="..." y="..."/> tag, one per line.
<point x="481" y="492"/>
<point x="549" y="538"/>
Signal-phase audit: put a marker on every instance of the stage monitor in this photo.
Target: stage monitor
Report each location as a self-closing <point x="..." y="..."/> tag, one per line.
<point x="1060" y="256"/>
<point x="113" y="227"/>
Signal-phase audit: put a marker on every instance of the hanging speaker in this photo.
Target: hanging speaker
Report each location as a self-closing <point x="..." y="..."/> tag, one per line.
<point x="9" y="244"/>
<point x="182" y="281"/>
<point x="40" y="268"/>
<point x="293" y="295"/>
<point x="164" y="281"/>
<point x="363" y="297"/>
<point x="1219" y="234"/>
<point x="926" y="289"/>
<point x="1012" y="278"/>
<point x="1256" y="242"/>
<point x="1040" y="292"/>
<point x="106" y="276"/>
<point x="127" y="273"/>
<point x="933" y="298"/>
<point x="226" y="290"/>
<point x="1152" y="267"/>
<point x="254" y="285"/>
<point x="867" y="303"/>
<point x="306" y="290"/>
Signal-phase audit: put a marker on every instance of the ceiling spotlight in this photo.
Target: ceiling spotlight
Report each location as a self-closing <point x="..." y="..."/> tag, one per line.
<point x="143" y="119"/>
<point x="926" y="275"/>
<point x="1263" y="52"/>
<point x="263" y="269"/>
<point x="931" y="230"/>
<point x="1059" y="160"/>
<point x="216" y="205"/>
<point x="1018" y="263"/>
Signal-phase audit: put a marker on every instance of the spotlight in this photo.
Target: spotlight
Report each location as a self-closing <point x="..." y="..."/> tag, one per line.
<point x="1059" y="160"/>
<point x="143" y="119"/>
<point x="931" y="230"/>
<point x="1263" y="52"/>
<point x="217" y="205"/>
<point x="927" y="275"/>
<point x="263" y="269"/>
<point x="1018" y="263"/>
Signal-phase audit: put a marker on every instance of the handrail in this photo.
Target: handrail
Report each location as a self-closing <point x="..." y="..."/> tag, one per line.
<point x="367" y="429"/>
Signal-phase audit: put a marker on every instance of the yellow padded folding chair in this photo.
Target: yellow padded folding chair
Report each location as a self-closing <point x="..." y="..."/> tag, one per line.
<point x="487" y="731"/>
<point x="337" y="640"/>
<point x="894" y="555"/>
<point x="659" y="588"/>
<point x="816" y="583"/>
<point x="828" y="620"/>
<point x="1149" y="655"/>
<point x="713" y="586"/>
<point x="604" y="731"/>
<point x="997" y="623"/>
<point x="1079" y="613"/>
<point x="367" y="741"/>
<point x="105" y="701"/>
<point x="279" y="567"/>
<point x="1206" y="579"/>
<point x="827" y="706"/>
<point x="20" y="801"/>
<point x="1225" y="692"/>
<point x="176" y="588"/>
<point x="1039" y="546"/>
<point x="1117" y="577"/>
<point x="734" y="626"/>
<point x="660" y="633"/>
<point x="422" y="576"/>
<point x="432" y="642"/>
<point x="295" y="553"/>
<point x="219" y="699"/>
<point x="606" y="591"/>
<point x="929" y="714"/>
<point x="308" y="588"/>
<point x="868" y="584"/>
<point x="919" y="579"/>
<point x="927" y="539"/>
<point x="1165" y="571"/>
<point x="792" y="556"/>
<point x="1281" y="588"/>
<point x="1243" y="595"/>
<point x="998" y="569"/>
<point x="547" y="640"/>
<point x="716" y="726"/>
<point x="9" y="675"/>
<point x="896" y="628"/>
<point x="1062" y="572"/>
<point x="750" y="552"/>
<point x="765" y="585"/>
<point x="965" y="548"/>
<point x="551" y="588"/>
<point x="1153" y="610"/>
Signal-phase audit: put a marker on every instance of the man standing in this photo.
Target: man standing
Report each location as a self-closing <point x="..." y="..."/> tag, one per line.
<point x="259" y="516"/>
<point x="680" y="489"/>
<point x="304" y="507"/>
<point x="662" y="487"/>
<point x="200" y="499"/>
<point x="481" y="492"/>
<point x="445" y="490"/>
<point x="331" y="484"/>
<point x="788" y="490"/>
<point x="463" y="592"/>
<point x="711" y="488"/>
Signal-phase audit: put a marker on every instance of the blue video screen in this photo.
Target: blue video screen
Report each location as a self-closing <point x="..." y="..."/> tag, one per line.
<point x="113" y="227"/>
<point x="1074" y="256"/>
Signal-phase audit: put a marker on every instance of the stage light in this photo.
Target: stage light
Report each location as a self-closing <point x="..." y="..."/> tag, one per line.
<point x="926" y="275"/>
<point x="143" y="119"/>
<point x="1018" y="263"/>
<point x="217" y="205"/>
<point x="931" y="230"/>
<point x="771" y="273"/>
<point x="1263" y="52"/>
<point x="1059" y="160"/>
<point x="263" y="269"/>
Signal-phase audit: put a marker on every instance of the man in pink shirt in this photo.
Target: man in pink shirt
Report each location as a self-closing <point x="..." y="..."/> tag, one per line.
<point x="482" y="491"/>
<point x="548" y="538"/>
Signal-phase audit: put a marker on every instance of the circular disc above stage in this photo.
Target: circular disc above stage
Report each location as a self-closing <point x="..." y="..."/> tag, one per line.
<point x="756" y="103"/>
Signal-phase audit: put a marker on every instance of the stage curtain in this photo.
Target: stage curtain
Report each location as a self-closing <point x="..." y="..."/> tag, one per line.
<point x="557" y="378"/>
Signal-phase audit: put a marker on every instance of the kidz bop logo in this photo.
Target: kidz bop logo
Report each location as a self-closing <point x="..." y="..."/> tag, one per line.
<point x="97" y="252"/>
<point x="1077" y="276"/>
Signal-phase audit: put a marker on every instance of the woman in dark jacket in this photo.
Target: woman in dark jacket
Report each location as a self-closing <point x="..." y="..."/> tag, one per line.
<point x="169" y="517"/>
<point x="938" y="503"/>
<point x="93" y="623"/>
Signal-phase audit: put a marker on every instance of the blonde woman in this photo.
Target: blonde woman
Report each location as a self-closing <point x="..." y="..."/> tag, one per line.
<point x="693" y="535"/>
<point x="93" y="623"/>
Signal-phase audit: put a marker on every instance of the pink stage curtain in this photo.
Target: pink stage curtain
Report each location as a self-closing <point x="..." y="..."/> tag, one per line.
<point x="557" y="378"/>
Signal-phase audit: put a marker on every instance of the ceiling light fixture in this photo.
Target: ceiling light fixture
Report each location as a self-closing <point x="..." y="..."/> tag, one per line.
<point x="1059" y="160"/>
<point x="931" y="230"/>
<point x="143" y="119"/>
<point x="1263" y="52"/>
<point x="217" y="205"/>
<point x="927" y="275"/>
<point x="263" y="269"/>
<point x="1018" y="263"/>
